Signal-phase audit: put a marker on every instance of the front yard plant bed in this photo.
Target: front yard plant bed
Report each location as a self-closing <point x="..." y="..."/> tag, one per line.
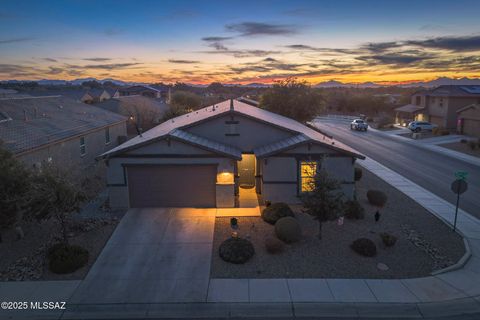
<point x="423" y="243"/>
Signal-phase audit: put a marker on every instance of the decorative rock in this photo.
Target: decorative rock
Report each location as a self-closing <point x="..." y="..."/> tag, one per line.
<point x="382" y="266"/>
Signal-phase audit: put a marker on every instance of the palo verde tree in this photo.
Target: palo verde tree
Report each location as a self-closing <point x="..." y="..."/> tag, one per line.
<point x="293" y="99"/>
<point x="323" y="198"/>
<point x="54" y="195"/>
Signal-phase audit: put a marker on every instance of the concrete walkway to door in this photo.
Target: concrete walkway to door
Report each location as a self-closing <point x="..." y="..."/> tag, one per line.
<point x="154" y="255"/>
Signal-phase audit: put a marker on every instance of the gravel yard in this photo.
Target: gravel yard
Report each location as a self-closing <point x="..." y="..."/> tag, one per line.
<point x="462" y="147"/>
<point x="424" y="243"/>
<point x="25" y="259"/>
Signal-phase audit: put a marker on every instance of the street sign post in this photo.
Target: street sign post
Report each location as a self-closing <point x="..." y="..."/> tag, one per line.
<point x="458" y="187"/>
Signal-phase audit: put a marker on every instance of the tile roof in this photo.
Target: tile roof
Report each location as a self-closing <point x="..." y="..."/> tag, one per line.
<point x="39" y="121"/>
<point x="452" y="91"/>
<point x="410" y="108"/>
<point x="241" y="108"/>
<point x="265" y="151"/>
<point x="206" y="143"/>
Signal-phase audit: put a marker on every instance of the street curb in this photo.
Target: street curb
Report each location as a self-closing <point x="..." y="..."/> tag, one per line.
<point x="460" y="263"/>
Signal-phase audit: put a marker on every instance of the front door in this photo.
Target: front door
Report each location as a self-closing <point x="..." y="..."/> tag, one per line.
<point x="246" y="170"/>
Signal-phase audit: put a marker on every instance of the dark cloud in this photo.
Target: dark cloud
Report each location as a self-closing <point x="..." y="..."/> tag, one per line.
<point x="243" y="53"/>
<point x="457" y="44"/>
<point x="183" y="61"/>
<point x="216" y="42"/>
<point x="303" y="47"/>
<point x="97" y="59"/>
<point x="215" y="39"/>
<point x="50" y="59"/>
<point x="15" y="40"/>
<point x="246" y="29"/>
<point x="380" y="46"/>
<point x="106" y="66"/>
<point x="394" y="58"/>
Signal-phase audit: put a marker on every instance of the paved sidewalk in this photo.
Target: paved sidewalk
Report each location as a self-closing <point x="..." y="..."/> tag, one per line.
<point x="431" y="144"/>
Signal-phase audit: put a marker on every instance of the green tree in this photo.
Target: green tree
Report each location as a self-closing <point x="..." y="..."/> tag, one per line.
<point x="185" y="100"/>
<point x="325" y="201"/>
<point x="293" y="99"/>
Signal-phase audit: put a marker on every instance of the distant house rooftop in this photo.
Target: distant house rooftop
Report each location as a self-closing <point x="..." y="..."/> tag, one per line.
<point x="452" y="91"/>
<point x="33" y="122"/>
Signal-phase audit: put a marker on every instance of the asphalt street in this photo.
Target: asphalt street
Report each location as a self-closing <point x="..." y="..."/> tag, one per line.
<point x="431" y="170"/>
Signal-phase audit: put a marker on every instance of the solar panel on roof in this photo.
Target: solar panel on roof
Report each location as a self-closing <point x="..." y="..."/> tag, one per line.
<point x="475" y="89"/>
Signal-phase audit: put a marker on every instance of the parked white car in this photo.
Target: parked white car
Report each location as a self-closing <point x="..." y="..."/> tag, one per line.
<point x="358" y="124"/>
<point x="417" y="126"/>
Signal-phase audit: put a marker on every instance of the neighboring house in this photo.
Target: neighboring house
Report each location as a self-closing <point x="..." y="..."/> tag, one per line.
<point x="468" y="120"/>
<point x="142" y="90"/>
<point x="145" y="112"/>
<point x="390" y="98"/>
<point x="201" y="158"/>
<point x="251" y="102"/>
<point x="95" y="95"/>
<point x="440" y="105"/>
<point x="56" y="129"/>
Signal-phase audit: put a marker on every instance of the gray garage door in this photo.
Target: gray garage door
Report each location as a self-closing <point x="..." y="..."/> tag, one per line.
<point x="172" y="186"/>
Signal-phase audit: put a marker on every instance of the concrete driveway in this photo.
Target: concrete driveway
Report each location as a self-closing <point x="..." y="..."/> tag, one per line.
<point x="155" y="255"/>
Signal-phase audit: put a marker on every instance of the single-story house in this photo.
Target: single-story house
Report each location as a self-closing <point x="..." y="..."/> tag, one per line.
<point x="201" y="158"/>
<point x="59" y="130"/>
<point x="142" y="90"/>
<point x="468" y="120"/>
<point x="95" y="95"/>
<point x="145" y="112"/>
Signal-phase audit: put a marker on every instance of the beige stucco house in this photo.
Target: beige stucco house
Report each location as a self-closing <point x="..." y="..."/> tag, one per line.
<point x="58" y="130"/>
<point x="440" y="105"/>
<point x="201" y="158"/>
<point x="468" y="120"/>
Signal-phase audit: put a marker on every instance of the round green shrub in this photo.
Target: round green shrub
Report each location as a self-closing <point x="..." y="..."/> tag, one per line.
<point x="236" y="250"/>
<point x="288" y="230"/>
<point x="275" y="211"/>
<point x="354" y="210"/>
<point x="388" y="239"/>
<point x="376" y="198"/>
<point x="66" y="258"/>
<point x="273" y="245"/>
<point x="364" y="247"/>
<point x="358" y="174"/>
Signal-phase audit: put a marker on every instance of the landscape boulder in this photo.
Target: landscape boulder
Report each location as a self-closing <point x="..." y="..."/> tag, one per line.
<point x="288" y="230"/>
<point x="275" y="211"/>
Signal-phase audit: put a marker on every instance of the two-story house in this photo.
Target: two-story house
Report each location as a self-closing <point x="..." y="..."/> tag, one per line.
<point x="440" y="105"/>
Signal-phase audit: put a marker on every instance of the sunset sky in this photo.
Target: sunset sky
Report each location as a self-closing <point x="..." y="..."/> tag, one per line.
<point x="239" y="41"/>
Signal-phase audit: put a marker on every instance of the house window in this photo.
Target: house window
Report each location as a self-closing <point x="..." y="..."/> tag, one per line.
<point x="418" y="100"/>
<point x="308" y="170"/>
<point x="440" y="102"/>
<point x="107" y="136"/>
<point x="83" y="147"/>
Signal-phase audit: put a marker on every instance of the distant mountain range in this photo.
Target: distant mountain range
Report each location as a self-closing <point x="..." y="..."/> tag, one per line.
<point x="434" y="83"/>
<point x="327" y="84"/>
